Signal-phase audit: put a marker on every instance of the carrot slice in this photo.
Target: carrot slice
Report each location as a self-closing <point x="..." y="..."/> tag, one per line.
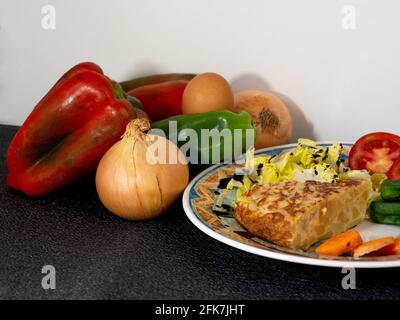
<point x="391" y="249"/>
<point x="340" y="244"/>
<point x="372" y="246"/>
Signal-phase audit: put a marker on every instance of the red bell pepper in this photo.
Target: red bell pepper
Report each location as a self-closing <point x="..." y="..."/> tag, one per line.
<point x="129" y="85"/>
<point x="68" y="132"/>
<point x="161" y="100"/>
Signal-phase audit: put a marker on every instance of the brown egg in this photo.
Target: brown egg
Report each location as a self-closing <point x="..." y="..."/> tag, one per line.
<point x="207" y="92"/>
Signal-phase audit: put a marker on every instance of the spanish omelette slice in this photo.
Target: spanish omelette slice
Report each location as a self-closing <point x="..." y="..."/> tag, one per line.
<point x="297" y="214"/>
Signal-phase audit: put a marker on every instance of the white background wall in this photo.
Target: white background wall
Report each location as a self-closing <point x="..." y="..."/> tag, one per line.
<point x="339" y="83"/>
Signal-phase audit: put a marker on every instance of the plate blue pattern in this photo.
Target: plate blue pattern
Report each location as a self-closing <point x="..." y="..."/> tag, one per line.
<point x="198" y="200"/>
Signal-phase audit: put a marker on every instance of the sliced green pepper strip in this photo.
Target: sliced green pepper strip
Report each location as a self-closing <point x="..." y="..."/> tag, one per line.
<point x="208" y="135"/>
<point x="385" y="212"/>
<point x="385" y="219"/>
<point x="390" y="190"/>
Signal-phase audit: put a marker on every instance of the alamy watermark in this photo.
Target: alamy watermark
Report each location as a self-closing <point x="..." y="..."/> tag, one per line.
<point x="349" y="17"/>
<point x="49" y="17"/>
<point x="349" y="280"/>
<point x="49" y="279"/>
<point x="204" y="147"/>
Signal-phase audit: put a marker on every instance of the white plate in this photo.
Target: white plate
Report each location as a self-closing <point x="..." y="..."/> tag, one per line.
<point x="198" y="199"/>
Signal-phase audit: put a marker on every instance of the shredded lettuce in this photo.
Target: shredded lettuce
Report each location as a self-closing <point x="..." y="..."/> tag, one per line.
<point x="307" y="161"/>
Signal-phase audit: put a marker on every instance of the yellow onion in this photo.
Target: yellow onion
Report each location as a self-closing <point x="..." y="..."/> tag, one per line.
<point x="141" y="114"/>
<point x="137" y="181"/>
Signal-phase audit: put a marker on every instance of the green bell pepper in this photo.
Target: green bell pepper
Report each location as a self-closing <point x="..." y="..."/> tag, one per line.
<point x="211" y="137"/>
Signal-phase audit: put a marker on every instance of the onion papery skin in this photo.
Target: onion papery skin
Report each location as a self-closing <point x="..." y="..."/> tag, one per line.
<point x="132" y="187"/>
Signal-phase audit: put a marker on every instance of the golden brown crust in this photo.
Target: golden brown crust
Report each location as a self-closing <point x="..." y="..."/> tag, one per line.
<point x="296" y="215"/>
<point x="272" y="227"/>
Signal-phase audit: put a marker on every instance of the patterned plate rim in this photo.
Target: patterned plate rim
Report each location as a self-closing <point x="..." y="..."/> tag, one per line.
<point x="265" y="252"/>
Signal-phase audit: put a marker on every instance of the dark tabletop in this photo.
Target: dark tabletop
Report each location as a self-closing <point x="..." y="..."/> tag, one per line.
<point x="98" y="256"/>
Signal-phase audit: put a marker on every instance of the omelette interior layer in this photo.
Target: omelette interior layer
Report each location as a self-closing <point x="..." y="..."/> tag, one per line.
<point x="297" y="214"/>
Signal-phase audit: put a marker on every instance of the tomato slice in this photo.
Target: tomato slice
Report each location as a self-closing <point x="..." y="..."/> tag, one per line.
<point x="394" y="171"/>
<point x="375" y="152"/>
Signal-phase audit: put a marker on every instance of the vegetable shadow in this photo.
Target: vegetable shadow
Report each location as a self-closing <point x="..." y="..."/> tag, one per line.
<point x="302" y="127"/>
